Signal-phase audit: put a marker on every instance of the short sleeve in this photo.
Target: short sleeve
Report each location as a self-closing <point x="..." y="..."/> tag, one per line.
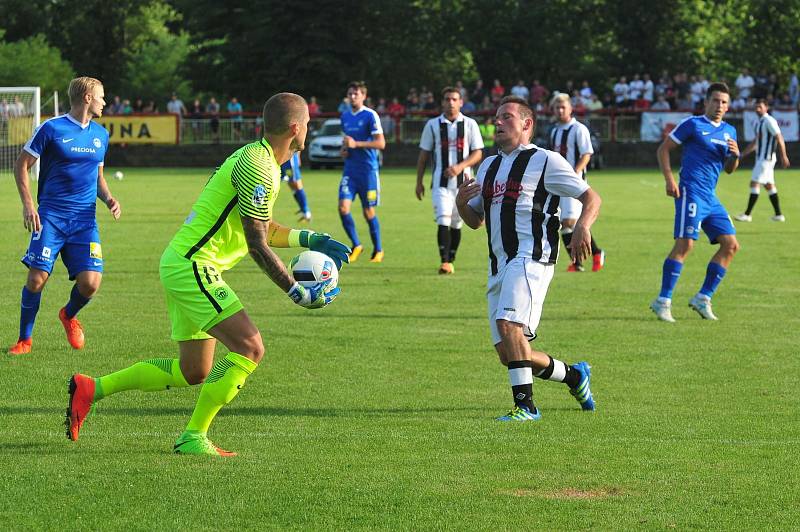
<point x="772" y="126"/>
<point x="584" y="141"/>
<point x="560" y="179"/>
<point x="474" y="137"/>
<point x="377" y="128"/>
<point x="256" y="179"/>
<point x="427" y="141"/>
<point x="39" y="141"/>
<point x="683" y="131"/>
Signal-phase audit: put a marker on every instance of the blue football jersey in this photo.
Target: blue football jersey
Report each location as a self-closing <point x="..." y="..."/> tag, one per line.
<point x="69" y="156"/>
<point x="361" y="126"/>
<point x="705" y="147"/>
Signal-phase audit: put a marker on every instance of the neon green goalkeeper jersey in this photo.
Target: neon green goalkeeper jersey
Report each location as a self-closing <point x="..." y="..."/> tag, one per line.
<point x="247" y="184"/>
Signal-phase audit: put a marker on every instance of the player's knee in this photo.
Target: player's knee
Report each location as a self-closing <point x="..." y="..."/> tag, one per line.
<point x="369" y="213"/>
<point x="732" y="246"/>
<point x="89" y="288"/>
<point x="344" y="209"/>
<point x="253" y="349"/>
<point x="195" y="375"/>
<point x="36" y="282"/>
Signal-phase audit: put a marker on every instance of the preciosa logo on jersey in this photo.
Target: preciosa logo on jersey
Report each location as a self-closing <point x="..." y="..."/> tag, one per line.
<point x="81" y="149"/>
<point x="259" y="195"/>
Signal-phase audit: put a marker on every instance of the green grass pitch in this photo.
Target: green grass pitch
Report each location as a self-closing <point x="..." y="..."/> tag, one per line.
<point x="377" y="412"/>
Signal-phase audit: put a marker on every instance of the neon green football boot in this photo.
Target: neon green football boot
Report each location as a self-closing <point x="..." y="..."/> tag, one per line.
<point x="191" y="442"/>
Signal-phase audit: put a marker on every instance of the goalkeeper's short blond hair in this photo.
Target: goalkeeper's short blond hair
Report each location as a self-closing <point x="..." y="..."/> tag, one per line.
<point x="81" y="86"/>
<point x="282" y="110"/>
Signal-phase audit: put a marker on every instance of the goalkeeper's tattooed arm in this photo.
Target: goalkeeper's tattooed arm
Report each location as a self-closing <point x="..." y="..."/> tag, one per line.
<point x="257" y="233"/>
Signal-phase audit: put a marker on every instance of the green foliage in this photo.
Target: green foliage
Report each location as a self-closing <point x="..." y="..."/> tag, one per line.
<point x="152" y="47"/>
<point x="31" y="62"/>
<point x="155" y="57"/>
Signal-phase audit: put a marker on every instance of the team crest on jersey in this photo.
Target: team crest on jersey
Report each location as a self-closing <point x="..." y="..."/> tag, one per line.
<point x="97" y="142"/>
<point x="259" y="195"/>
<point x="95" y="251"/>
<point x="220" y="293"/>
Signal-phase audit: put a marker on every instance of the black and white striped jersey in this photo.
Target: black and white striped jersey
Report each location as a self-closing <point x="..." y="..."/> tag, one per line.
<point x="571" y="140"/>
<point x="462" y="136"/>
<point x="767" y="130"/>
<point x="519" y="203"/>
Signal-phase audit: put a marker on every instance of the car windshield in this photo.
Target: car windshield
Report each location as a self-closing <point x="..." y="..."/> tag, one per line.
<point x="330" y="129"/>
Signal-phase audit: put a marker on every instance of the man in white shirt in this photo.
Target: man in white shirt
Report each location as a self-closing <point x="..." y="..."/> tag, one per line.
<point x="516" y="195"/>
<point x="745" y="83"/>
<point x="768" y="138"/>
<point x="521" y="90"/>
<point x="573" y="141"/>
<point x="621" y="90"/>
<point x="456" y="144"/>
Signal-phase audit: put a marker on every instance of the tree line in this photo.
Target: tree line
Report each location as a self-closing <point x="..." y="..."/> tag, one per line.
<point x="151" y="48"/>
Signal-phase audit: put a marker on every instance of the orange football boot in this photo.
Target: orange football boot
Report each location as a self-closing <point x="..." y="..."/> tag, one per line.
<point x="73" y="329"/>
<point x="21" y="347"/>
<point x="81" y="397"/>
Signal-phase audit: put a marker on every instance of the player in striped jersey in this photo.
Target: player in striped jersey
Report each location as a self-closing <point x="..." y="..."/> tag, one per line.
<point x="453" y="160"/>
<point x="516" y="194"/>
<point x="768" y="138"/>
<point x="232" y="216"/>
<point x="572" y="140"/>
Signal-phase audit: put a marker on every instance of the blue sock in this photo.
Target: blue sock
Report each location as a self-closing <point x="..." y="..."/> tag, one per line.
<point x="669" y="277"/>
<point x="350" y="228"/>
<point x="28" y="309"/>
<point x="76" y="302"/>
<point x="375" y="233"/>
<point x="714" y="274"/>
<point x="300" y="198"/>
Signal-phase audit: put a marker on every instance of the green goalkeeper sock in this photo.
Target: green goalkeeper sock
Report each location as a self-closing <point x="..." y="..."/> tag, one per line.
<point x="151" y="375"/>
<point x="221" y="386"/>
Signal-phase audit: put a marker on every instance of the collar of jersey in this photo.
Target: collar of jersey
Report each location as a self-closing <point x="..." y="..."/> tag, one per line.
<point x="444" y="119"/>
<point x="72" y="119"/>
<point x="518" y="149"/>
<point x="712" y="123"/>
<point x="571" y="121"/>
<point x="264" y="142"/>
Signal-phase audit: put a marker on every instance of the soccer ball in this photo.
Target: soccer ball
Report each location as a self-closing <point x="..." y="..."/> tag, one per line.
<point x="118" y="175"/>
<point x="312" y="267"/>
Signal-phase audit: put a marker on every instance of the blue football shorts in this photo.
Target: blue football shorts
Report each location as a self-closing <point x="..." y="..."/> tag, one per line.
<point x="694" y="212"/>
<point x="364" y="184"/>
<point x="77" y="241"/>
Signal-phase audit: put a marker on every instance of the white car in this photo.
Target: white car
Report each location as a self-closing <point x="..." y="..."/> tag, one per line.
<point x="325" y="148"/>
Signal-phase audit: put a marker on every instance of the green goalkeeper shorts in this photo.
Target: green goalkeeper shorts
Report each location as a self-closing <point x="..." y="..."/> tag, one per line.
<point x="197" y="296"/>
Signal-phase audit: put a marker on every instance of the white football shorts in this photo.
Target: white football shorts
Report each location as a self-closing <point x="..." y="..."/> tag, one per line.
<point x="764" y="172"/>
<point x="444" y="207"/>
<point x="517" y="294"/>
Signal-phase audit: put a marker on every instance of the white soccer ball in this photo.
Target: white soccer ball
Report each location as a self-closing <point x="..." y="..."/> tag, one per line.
<point x="312" y="267"/>
<point x="118" y="175"/>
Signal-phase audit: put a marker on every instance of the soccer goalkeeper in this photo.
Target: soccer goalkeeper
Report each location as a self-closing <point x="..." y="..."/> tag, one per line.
<point x="233" y="216"/>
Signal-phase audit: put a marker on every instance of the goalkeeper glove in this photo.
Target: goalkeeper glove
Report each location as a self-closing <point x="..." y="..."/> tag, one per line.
<point x="321" y="242"/>
<point x="312" y="296"/>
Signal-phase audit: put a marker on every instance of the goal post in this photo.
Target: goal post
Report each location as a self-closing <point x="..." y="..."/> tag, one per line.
<point x="20" y="114"/>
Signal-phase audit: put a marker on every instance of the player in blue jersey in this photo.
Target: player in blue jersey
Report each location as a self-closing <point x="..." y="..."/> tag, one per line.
<point x="709" y="146"/>
<point x="290" y="172"/>
<point x="71" y="149"/>
<point x="363" y="137"/>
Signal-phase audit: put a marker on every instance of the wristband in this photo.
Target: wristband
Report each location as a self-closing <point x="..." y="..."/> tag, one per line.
<point x="298" y="238"/>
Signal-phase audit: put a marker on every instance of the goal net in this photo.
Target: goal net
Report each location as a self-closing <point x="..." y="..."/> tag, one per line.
<point x="19" y="116"/>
